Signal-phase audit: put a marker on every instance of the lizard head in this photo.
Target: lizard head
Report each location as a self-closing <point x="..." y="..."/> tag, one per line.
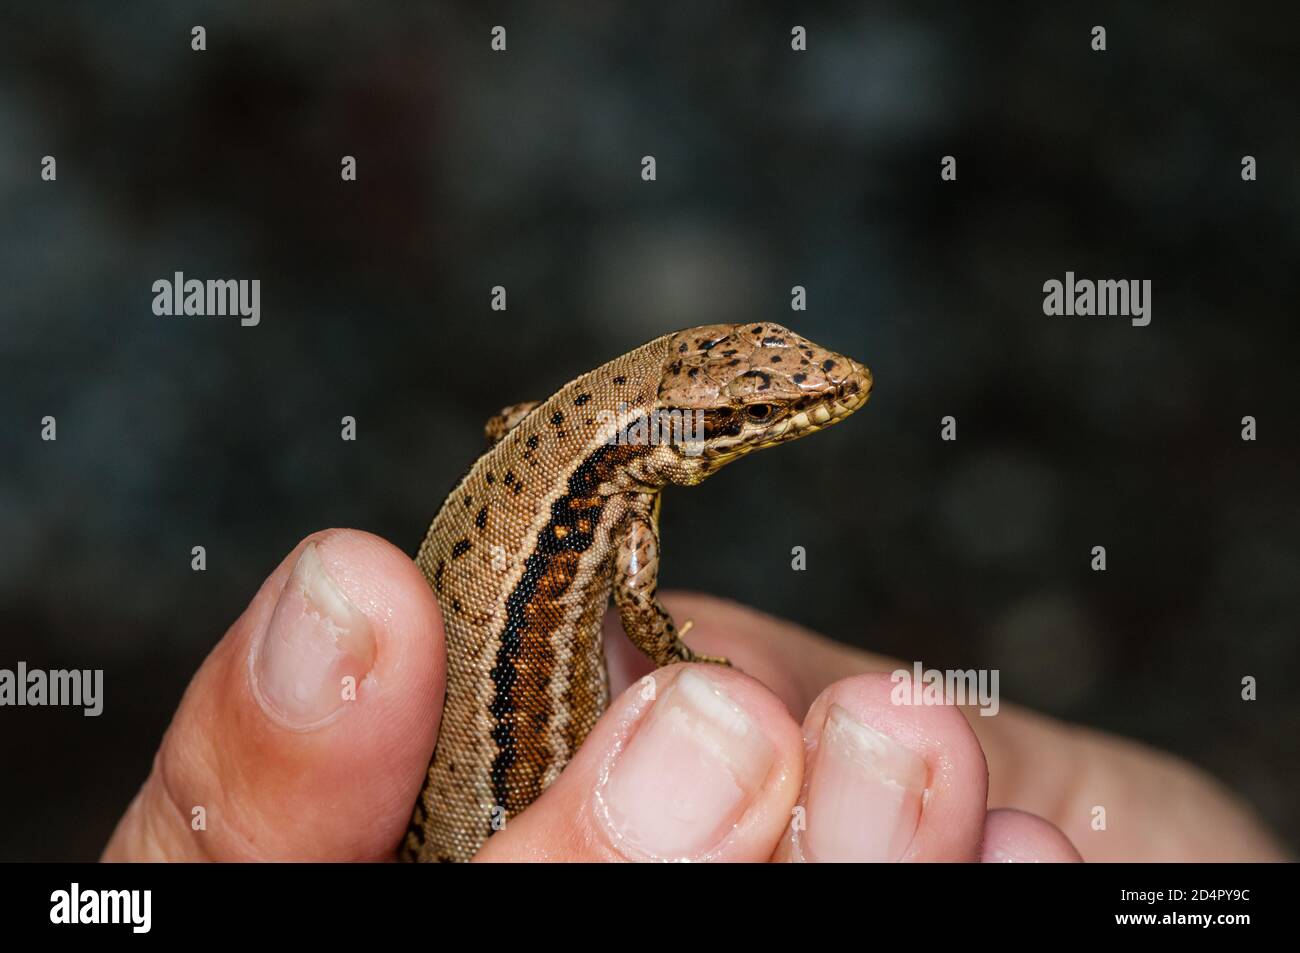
<point x="752" y="386"/>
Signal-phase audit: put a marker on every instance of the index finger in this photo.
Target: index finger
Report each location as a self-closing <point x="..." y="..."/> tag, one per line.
<point x="794" y="662"/>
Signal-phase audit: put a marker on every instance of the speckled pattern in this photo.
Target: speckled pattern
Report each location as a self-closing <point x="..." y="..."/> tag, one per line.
<point x="560" y="511"/>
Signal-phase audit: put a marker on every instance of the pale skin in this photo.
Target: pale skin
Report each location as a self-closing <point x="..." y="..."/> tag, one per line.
<point x="319" y="779"/>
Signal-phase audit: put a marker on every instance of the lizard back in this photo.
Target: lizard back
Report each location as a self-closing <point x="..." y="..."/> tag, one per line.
<point x="519" y="557"/>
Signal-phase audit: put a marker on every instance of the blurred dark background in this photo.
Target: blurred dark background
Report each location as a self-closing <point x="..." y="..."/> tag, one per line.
<point x="775" y="168"/>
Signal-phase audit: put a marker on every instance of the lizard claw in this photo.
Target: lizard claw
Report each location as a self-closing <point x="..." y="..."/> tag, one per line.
<point x="688" y="655"/>
<point x="712" y="659"/>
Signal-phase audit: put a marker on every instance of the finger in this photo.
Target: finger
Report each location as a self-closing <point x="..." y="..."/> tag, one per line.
<point x="1018" y="837"/>
<point x="1115" y="799"/>
<point x="697" y="762"/>
<point x="793" y="662"/>
<point x="306" y="731"/>
<point x="887" y="782"/>
<point x="1157" y="807"/>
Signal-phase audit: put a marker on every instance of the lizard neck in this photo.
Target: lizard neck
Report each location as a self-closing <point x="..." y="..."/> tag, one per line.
<point x="594" y="420"/>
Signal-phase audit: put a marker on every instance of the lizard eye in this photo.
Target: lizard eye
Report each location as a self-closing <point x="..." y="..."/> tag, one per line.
<point x="758" y="412"/>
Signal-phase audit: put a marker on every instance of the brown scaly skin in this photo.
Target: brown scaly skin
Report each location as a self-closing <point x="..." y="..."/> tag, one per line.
<point x="527" y="549"/>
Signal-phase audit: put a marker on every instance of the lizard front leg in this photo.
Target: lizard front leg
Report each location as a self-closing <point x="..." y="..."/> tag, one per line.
<point x="500" y="424"/>
<point x="636" y="582"/>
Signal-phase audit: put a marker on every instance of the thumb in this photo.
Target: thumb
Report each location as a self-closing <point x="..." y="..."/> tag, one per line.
<point x="694" y="762"/>
<point x="305" y="733"/>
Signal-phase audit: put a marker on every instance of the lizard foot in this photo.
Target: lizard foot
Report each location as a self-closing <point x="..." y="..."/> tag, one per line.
<point x="686" y="654"/>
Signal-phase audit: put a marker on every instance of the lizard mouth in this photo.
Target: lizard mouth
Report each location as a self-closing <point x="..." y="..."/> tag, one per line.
<point x="847" y="396"/>
<point x="834" y="404"/>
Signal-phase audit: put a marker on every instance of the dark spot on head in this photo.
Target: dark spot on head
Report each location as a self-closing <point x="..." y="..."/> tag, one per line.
<point x="721" y="422"/>
<point x="581" y="399"/>
<point x="733" y="362"/>
<point x="776" y="359"/>
<point x="827" y="365"/>
<point x="707" y="345"/>
<point x="758" y="330"/>
<point x="675" y="367"/>
<point x="765" y="378"/>
<point x="460" y="549"/>
<point x="557" y="418"/>
<point x="731" y="352"/>
<point x="620" y="379"/>
<point x="481" y="519"/>
<point x="490" y="478"/>
<point x="693" y="373"/>
<point x="682" y="349"/>
<point x="772" y="341"/>
<point x="799" y="378"/>
<point x="533" y="441"/>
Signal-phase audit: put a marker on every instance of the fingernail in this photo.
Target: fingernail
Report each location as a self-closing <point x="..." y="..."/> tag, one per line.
<point x="688" y="773"/>
<point x="317" y="639"/>
<point x="864" y="795"/>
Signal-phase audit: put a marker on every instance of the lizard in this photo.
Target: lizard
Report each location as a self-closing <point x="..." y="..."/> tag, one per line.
<point x="561" y="512"/>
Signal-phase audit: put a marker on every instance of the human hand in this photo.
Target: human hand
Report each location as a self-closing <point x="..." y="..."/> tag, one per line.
<point x="279" y="765"/>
